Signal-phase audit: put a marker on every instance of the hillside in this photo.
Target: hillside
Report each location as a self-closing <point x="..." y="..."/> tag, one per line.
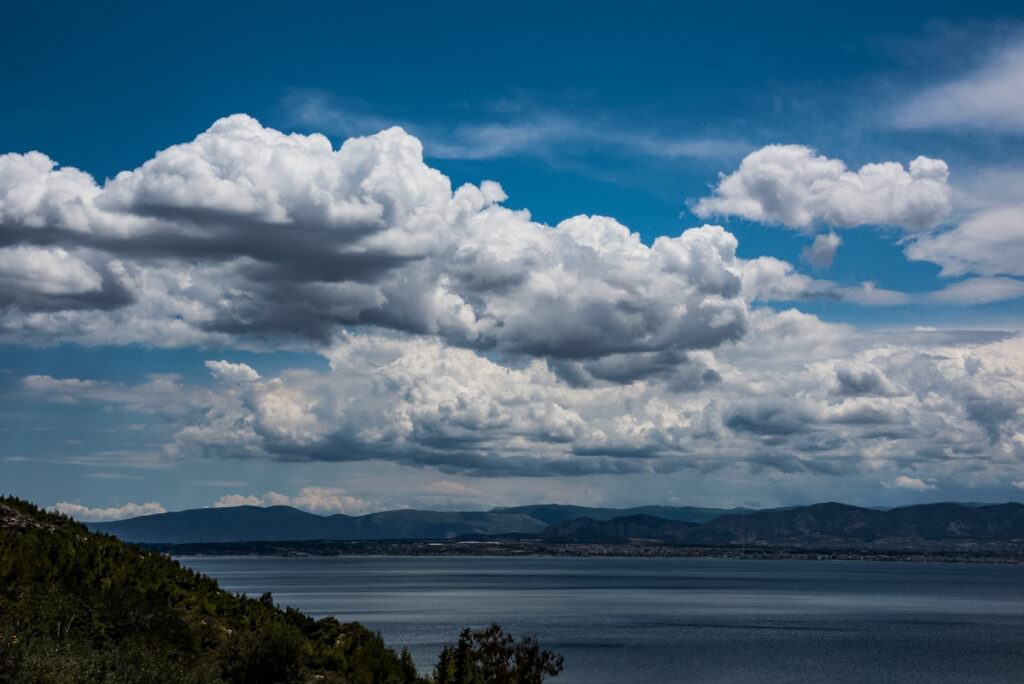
<point x="79" y="606"/>
<point x="624" y="528"/>
<point x="554" y="514"/>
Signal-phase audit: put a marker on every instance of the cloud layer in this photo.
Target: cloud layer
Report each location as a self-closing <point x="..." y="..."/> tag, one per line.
<point x="795" y="399"/>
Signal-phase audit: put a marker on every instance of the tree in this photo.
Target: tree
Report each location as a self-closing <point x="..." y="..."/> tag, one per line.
<point x="492" y="656"/>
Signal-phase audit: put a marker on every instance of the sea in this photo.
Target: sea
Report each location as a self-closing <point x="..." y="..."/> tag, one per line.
<point x="627" y="620"/>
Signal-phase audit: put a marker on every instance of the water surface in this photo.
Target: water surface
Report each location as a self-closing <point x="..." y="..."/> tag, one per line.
<point x="675" y="619"/>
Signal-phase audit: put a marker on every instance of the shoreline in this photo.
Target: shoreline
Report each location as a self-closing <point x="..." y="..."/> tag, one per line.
<point x="535" y="548"/>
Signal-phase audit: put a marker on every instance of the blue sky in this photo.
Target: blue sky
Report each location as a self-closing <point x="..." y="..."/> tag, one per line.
<point x="757" y="255"/>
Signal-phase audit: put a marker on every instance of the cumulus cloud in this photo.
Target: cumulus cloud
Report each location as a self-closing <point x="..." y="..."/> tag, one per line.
<point x="866" y="379"/>
<point x="47" y="271"/>
<point x="312" y="499"/>
<point x="86" y="514"/>
<point x="465" y="337"/>
<point x="792" y="186"/>
<point x="328" y="500"/>
<point x="247" y="236"/>
<point x="796" y="396"/>
<point x="232" y="372"/>
<point x="823" y="251"/>
<point x="989" y="243"/>
<point x="912" y="483"/>
<point x="268" y="499"/>
<point x="989" y="98"/>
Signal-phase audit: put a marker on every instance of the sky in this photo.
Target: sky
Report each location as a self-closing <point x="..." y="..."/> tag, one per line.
<point x="353" y="257"/>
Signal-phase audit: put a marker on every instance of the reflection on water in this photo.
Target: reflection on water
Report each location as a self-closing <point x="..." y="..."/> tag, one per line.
<point x="676" y="619"/>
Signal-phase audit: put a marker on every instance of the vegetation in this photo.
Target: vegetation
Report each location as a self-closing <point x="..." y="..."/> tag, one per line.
<point x="76" y="606"/>
<point x="490" y="656"/>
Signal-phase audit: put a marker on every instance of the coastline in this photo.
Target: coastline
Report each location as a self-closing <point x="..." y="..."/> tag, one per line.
<point x="632" y="549"/>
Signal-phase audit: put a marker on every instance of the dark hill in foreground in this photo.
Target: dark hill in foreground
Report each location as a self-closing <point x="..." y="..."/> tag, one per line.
<point x="76" y="606"/>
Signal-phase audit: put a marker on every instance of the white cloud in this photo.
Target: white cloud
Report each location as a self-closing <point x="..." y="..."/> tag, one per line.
<point x="869" y="294"/>
<point x="796" y="397"/>
<point x="465" y="337"/>
<point x="48" y="271"/>
<point x="792" y="186"/>
<point x="129" y="510"/>
<point x="232" y="372"/>
<point x="795" y="394"/>
<point x="312" y="499"/>
<point x="161" y="393"/>
<point x="449" y="488"/>
<point x="247" y="236"/>
<point x="328" y="500"/>
<point x="990" y="98"/>
<point x="989" y="243"/>
<point x="966" y="292"/>
<point x="912" y="483"/>
<point x="823" y="251"/>
<point x="979" y="291"/>
<point x="770" y="279"/>
<point x="232" y="500"/>
<point x="539" y="134"/>
<point x="34" y="194"/>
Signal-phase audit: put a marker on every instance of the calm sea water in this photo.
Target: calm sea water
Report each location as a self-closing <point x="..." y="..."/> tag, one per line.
<point x="675" y="619"/>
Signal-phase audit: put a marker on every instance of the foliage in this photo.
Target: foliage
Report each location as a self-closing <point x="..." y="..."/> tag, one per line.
<point x="491" y="656"/>
<point x="76" y="606"/>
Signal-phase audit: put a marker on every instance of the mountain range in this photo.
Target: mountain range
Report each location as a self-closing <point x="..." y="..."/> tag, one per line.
<point x="818" y="525"/>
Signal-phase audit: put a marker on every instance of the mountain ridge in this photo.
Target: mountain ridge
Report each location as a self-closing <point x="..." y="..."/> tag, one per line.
<point x="828" y="523"/>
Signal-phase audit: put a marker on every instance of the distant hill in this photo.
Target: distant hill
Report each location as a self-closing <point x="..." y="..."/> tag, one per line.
<point x="283" y="523"/>
<point x="554" y="514"/>
<point x="820" y="525"/>
<point x="624" y="528"/>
